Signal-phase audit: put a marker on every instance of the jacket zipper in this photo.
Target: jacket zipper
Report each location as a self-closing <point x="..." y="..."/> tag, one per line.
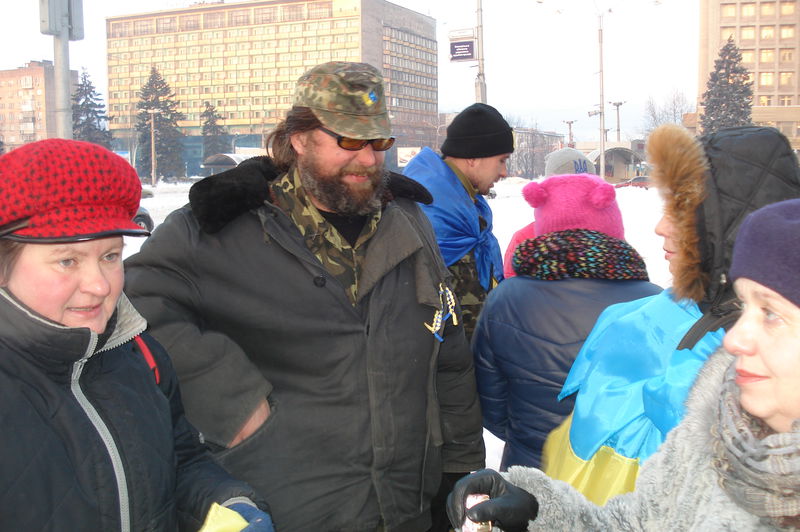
<point x="105" y="435"/>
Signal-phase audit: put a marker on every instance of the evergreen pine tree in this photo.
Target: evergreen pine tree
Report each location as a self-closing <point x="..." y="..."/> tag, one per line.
<point x="89" y="119"/>
<point x="156" y="95"/>
<point x="213" y="139"/>
<point x="729" y="92"/>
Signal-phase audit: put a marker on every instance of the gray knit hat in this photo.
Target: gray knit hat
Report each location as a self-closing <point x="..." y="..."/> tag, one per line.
<point x="567" y="161"/>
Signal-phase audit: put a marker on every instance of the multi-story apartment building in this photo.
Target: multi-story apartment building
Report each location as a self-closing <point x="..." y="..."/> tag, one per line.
<point x="28" y="103"/>
<point x="767" y="32"/>
<point x="245" y="57"/>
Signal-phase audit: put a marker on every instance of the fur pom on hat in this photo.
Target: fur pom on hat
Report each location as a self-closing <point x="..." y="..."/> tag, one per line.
<point x="575" y="201"/>
<point x="59" y="190"/>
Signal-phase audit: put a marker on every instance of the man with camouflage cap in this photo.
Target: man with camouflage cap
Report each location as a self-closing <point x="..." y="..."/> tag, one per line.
<point x="311" y="320"/>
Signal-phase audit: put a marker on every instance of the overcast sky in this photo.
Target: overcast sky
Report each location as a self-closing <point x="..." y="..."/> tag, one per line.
<point x="542" y="56"/>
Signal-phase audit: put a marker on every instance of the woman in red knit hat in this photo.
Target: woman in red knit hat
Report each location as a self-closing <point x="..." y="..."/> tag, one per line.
<point x="94" y="436"/>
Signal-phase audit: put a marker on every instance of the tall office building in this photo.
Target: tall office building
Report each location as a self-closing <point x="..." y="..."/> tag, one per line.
<point x="245" y="57"/>
<point x="28" y="103"/>
<point x="767" y="32"/>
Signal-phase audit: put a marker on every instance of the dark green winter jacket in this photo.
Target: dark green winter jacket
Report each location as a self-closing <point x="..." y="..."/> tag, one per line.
<point x="368" y="407"/>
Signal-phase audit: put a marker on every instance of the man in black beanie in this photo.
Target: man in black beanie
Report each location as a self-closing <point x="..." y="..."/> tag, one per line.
<point x="474" y="156"/>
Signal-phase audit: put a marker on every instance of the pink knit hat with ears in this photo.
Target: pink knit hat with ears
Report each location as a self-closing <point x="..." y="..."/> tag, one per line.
<point x="574" y="201"/>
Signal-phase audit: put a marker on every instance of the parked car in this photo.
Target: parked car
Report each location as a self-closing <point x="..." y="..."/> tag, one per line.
<point x="642" y="181"/>
<point x="143" y="219"/>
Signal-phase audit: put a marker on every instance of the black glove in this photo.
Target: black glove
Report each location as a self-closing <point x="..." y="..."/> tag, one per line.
<point x="509" y="507"/>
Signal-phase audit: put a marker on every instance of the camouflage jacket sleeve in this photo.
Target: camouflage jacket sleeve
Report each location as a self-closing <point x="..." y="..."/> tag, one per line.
<point x="468" y="290"/>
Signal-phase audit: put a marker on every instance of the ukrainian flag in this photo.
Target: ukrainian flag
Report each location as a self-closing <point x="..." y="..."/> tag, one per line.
<point x="631" y="383"/>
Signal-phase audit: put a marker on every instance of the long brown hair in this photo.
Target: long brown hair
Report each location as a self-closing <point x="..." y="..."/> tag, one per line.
<point x="298" y="120"/>
<point x="9" y="253"/>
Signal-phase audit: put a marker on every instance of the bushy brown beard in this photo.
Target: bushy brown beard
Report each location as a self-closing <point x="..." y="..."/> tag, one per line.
<point x="333" y="193"/>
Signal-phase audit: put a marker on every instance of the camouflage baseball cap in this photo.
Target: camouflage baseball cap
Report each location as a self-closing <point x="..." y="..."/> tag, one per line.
<point x="347" y="98"/>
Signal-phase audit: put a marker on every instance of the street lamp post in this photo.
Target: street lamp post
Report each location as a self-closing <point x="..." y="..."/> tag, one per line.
<point x="617" y="105"/>
<point x="480" y="80"/>
<point x="602" y="105"/>
<point x="569" y="123"/>
<point x="153" y="161"/>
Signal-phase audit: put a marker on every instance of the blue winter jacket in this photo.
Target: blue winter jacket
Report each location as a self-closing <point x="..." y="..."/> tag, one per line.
<point x="526" y="339"/>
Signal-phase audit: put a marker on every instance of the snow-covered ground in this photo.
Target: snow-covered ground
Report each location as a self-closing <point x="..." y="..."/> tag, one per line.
<point x="641" y="210"/>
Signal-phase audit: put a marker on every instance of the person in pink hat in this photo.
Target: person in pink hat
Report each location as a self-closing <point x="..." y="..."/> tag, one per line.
<point x="534" y="324"/>
<point x="560" y="162"/>
<point x="94" y="433"/>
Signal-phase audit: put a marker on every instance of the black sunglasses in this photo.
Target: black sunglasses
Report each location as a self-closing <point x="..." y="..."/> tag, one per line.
<point x="351" y="144"/>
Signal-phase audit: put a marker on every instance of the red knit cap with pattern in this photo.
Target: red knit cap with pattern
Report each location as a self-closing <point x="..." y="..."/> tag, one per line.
<point x="67" y="190"/>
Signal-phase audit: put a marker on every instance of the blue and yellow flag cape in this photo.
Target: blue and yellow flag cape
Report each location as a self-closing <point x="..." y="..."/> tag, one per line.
<point x="631" y="385"/>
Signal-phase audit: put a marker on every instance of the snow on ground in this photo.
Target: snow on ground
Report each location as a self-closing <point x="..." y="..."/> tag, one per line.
<point x="641" y="209"/>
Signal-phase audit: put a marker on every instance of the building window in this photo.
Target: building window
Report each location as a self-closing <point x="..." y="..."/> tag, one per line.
<point x="166" y="25"/>
<point x="748" y="56"/>
<point x="748" y="10"/>
<point x="319" y="10"/>
<point x="213" y="20"/>
<point x="291" y="13"/>
<point x="767" y="55"/>
<point x="765" y="101"/>
<point x="787" y="55"/>
<point x="784" y="101"/>
<point x="787" y="32"/>
<point x="787" y="8"/>
<point x="786" y="79"/>
<point x="189" y="22"/>
<point x="121" y="29"/>
<point x="143" y="27"/>
<point x="240" y="17"/>
<point x="766" y="79"/>
<point x="724" y="33"/>
<point x="768" y="9"/>
<point x="767" y="32"/>
<point x="748" y="33"/>
<point x="264" y="15"/>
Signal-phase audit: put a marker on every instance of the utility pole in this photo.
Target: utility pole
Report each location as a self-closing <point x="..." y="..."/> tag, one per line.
<point x="617" y="104"/>
<point x="569" y="123"/>
<point x="153" y="162"/>
<point x="602" y="105"/>
<point x="63" y="19"/>
<point x="480" y="79"/>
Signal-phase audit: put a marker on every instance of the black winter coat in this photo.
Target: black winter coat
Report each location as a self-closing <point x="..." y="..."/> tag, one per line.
<point x="89" y="441"/>
<point x="527" y="338"/>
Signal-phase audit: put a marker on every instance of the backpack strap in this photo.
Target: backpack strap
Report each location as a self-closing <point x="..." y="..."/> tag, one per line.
<point x="148" y="357"/>
<point x="722" y="316"/>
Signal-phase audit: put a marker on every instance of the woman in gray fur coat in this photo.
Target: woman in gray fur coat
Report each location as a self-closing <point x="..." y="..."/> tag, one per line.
<point x="733" y="463"/>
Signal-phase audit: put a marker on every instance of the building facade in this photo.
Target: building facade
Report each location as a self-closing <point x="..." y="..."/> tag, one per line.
<point x="244" y="58"/>
<point x="28" y="103"/>
<point x="767" y="32"/>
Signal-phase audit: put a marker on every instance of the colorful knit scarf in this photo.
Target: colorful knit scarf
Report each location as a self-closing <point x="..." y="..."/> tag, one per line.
<point x="578" y="253"/>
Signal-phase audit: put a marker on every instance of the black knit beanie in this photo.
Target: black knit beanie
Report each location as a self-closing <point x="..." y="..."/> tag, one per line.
<point x="478" y="131"/>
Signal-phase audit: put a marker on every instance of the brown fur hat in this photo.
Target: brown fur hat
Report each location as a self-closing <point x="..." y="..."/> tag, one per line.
<point x="679" y="171"/>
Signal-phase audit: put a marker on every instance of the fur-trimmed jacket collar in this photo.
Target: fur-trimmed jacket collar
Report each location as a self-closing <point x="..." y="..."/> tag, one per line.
<point x="220" y="198"/>
<point x="709" y="186"/>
